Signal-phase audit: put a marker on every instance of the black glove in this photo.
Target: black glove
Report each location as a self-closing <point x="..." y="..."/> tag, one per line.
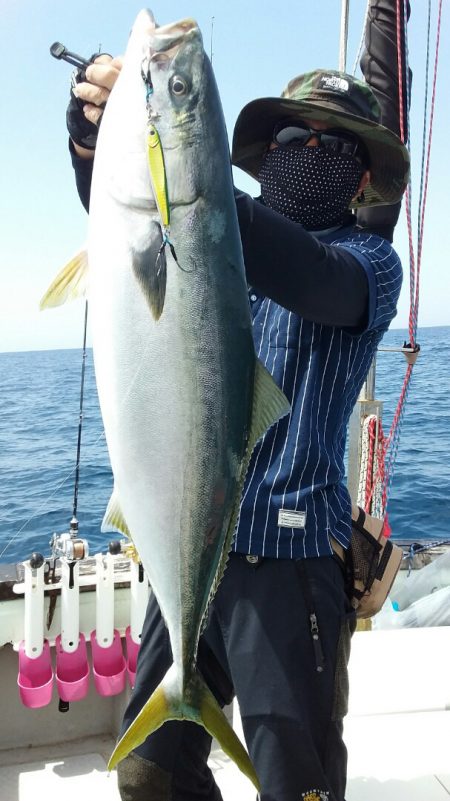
<point x="82" y="132"/>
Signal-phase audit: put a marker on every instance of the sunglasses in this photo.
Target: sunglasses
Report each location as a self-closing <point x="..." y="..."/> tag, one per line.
<point x="298" y="135"/>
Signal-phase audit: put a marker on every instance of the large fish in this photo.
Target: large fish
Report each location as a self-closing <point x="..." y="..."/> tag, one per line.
<point x="182" y="395"/>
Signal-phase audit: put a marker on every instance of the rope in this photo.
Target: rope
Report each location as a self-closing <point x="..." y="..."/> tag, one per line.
<point x="390" y="444"/>
<point x="372" y="471"/>
<point x="427" y="167"/>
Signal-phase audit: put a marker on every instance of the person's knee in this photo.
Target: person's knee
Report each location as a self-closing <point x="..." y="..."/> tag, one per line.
<point x="141" y="780"/>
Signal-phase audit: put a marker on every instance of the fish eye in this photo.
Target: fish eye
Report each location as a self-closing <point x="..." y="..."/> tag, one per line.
<point x="178" y="85"/>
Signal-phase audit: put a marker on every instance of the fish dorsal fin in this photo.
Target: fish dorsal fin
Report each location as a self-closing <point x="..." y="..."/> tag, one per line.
<point x="69" y="284"/>
<point x="114" y="517"/>
<point x="150" y="269"/>
<point x="269" y="405"/>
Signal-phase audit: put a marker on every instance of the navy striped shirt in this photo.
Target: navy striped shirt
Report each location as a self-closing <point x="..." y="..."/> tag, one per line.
<point x="295" y="495"/>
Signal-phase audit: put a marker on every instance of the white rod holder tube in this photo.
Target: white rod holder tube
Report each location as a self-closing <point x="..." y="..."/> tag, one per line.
<point x="34" y="611"/>
<point x="70" y="605"/>
<point x="140" y="592"/>
<point x="104" y="623"/>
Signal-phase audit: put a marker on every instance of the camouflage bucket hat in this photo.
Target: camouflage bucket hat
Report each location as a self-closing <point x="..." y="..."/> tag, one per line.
<point x="341" y="101"/>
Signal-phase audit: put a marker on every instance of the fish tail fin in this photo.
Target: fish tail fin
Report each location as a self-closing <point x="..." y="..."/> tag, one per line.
<point x="214" y="721"/>
<point x="197" y="704"/>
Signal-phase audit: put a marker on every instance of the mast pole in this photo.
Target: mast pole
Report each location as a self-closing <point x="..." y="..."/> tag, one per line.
<point x="343" y="36"/>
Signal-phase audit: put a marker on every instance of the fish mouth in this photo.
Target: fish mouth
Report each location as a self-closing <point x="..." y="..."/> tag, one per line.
<point x="166" y="40"/>
<point x="166" y="37"/>
<point x="164" y="44"/>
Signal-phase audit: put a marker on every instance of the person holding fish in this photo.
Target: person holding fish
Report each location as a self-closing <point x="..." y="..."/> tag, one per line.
<point x="323" y="284"/>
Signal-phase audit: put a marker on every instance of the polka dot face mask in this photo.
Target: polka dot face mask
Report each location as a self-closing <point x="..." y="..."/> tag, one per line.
<point x="309" y="185"/>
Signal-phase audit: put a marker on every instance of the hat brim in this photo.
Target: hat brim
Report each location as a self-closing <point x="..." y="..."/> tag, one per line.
<point x="389" y="158"/>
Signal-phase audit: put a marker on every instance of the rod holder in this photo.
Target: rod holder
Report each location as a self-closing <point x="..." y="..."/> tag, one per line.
<point x="108" y="666"/>
<point x="108" y="663"/>
<point x="35" y="678"/>
<point x="72" y="668"/>
<point x="34" y="606"/>
<point x="139" y="595"/>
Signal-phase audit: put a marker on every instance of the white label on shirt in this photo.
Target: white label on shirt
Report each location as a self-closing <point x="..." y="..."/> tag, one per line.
<point x="291" y="519"/>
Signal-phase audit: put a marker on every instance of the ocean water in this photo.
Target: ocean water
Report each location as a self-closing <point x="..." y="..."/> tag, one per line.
<point x="39" y="414"/>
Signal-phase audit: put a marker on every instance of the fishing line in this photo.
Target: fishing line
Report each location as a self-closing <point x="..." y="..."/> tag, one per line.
<point x="40" y="508"/>
<point x="211" y="41"/>
<point x="80" y="417"/>
<point x="53" y="490"/>
<point x="76" y="470"/>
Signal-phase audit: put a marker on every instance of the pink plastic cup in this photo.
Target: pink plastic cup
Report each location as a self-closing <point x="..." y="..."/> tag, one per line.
<point x="132" y="655"/>
<point x="108" y="666"/>
<point x="72" y="671"/>
<point x="35" y="679"/>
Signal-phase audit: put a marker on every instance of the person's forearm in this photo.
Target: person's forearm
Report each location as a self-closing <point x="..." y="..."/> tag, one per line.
<point x="83" y="174"/>
<point x="292" y="267"/>
<point x="379" y="65"/>
<point x="83" y="152"/>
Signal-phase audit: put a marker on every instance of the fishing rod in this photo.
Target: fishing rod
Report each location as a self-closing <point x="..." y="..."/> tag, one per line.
<point x="69" y="545"/>
<point x="60" y="51"/>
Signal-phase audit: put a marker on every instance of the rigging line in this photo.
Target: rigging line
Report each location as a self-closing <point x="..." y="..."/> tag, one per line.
<point x="425" y="115"/>
<point x="430" y="134"/>
<point x="390" y="442"/>
<point x="404" y="137"/>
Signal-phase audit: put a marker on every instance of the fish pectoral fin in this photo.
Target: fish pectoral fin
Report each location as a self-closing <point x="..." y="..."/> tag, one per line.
<point x="150" y="269"/>
<point x="269" y="405"/>
<point x="69" y="284"/>
<point x="114" y="518"/>
<point x="197" y="704"/>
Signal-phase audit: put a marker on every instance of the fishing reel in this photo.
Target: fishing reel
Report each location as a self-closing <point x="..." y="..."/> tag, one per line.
<point x="68" y="545"/>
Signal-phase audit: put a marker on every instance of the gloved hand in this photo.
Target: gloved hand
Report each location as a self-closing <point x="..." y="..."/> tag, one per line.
<point x="89" y="92"/>
<point x="82" y="132"/>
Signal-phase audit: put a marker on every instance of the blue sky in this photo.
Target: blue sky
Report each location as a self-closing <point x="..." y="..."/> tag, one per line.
<point x="257" y="47"/>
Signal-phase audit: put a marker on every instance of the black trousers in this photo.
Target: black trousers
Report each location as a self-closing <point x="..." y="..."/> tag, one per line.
<point x="261" y="645"/>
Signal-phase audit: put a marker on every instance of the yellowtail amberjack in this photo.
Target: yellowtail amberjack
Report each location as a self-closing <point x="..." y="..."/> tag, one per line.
<point x="182" y="394"/>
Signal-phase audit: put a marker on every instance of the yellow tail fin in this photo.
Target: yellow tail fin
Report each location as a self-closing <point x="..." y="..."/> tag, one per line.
<point x="198" y="705"/>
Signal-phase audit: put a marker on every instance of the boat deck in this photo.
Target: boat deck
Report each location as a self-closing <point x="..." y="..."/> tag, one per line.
<point x="397" y="732"/>
<point x="400" y="757"/>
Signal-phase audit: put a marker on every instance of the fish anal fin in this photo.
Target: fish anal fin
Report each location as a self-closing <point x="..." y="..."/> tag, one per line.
<point x="150" y="269"/>
<point x="69" y="284"/>
<point x="114" y="517"/>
